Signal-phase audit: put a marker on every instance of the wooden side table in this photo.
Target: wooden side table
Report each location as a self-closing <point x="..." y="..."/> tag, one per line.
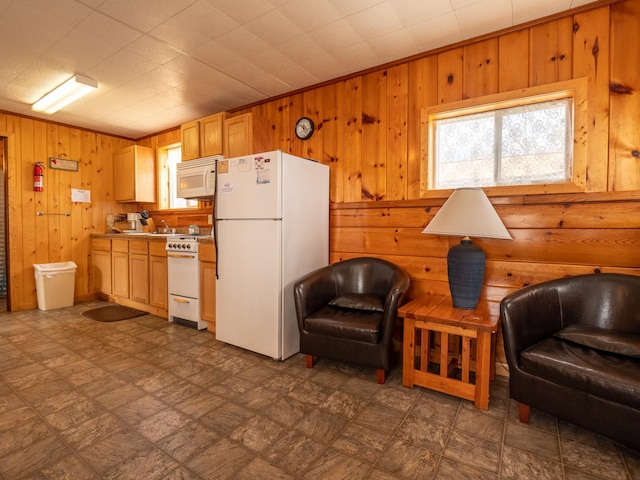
<point x="448" y="367"/>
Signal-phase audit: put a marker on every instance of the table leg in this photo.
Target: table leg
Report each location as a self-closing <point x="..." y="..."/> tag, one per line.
<point x="483" y="370"/>
<point x="408" y="352"/>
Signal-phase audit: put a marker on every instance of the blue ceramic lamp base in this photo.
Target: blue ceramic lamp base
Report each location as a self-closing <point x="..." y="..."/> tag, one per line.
<point x="465" y="265"/>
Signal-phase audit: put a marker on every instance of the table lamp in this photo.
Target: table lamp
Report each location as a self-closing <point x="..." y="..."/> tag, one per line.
<point x="467" y="213"/>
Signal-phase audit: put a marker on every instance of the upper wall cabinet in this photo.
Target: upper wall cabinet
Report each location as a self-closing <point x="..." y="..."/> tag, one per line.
<point x="246" y="134"/>
<point x="203" y="137"/>
<point x="134" y="177"/>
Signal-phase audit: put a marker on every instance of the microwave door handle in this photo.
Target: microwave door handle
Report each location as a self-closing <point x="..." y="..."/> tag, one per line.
<point x="205" y="179"/>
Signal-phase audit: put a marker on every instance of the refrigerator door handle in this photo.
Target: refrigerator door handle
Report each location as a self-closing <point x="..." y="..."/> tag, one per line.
<point x="215" y="217"/>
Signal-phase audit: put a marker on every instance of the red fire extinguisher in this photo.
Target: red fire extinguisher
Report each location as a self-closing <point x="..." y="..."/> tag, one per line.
<point x="38" y="173"/>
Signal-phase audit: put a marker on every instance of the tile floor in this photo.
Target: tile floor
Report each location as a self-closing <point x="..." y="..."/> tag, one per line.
<point x="147" y="399"/>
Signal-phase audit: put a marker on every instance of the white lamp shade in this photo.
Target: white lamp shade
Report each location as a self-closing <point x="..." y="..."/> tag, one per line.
<point x="468" y="213"/>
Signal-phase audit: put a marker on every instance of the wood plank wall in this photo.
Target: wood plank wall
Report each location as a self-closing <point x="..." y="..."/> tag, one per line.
<point x="368" y="130"/>
<point x="53" y="236"/>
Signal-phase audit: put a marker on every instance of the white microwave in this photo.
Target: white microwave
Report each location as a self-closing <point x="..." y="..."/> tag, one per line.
<point x="197" y="178"/>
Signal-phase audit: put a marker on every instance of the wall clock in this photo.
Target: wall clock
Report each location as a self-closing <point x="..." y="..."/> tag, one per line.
<point x="304" y="128"/>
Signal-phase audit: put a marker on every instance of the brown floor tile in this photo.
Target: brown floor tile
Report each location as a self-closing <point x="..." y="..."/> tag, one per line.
<point x="146" y="398"/>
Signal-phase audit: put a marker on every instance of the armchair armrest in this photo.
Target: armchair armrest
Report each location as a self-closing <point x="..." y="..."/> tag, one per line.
<point x="313" y="291"/>
<point x="528" y="316"/>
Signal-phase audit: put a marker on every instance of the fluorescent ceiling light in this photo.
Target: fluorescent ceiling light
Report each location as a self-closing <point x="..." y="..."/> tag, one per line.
<point x="70" y="91"/>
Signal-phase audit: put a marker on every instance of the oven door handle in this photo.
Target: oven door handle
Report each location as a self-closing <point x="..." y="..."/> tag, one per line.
<point x="177" y="255"/>
<point x="180" y="300"/>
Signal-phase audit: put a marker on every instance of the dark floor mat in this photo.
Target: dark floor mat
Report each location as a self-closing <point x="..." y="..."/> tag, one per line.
<point x="113" y="313"/>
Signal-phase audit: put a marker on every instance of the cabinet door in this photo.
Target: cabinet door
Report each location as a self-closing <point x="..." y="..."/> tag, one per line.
<point x="238" y="136"/>
<point x="124" y="175"/>
<point x="211" y="135"/>
<point x="208" y="294"/>
<point x="134" y="176"/>
<point x="190" y="137"/>
<point x="120" y="274"/>
<point x="159" y="290"/>
<point x="139" y="277"/>
<point x="102" y="271"/>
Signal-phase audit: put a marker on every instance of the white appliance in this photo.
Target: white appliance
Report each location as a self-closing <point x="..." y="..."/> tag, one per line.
<point x="135" y="223"/>
<point x="184" y="281"/>
<point x="197" y="178"/>
<point x="271" y="227"/>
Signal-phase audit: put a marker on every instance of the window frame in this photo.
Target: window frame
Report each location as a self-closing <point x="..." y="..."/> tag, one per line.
<point x="575" y="89"/>
<point x="162" y="184"/>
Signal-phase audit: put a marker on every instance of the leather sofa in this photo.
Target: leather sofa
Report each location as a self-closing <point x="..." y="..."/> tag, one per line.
<point x="573" y="350"/>
<point x="347" y="312"/>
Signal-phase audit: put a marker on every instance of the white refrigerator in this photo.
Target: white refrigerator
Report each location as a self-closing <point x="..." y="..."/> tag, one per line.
<point x="271" y="227"/>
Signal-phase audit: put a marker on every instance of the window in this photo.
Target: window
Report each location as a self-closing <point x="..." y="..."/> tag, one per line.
<point x="174" y="156"/>
<point x="504" y="140"/>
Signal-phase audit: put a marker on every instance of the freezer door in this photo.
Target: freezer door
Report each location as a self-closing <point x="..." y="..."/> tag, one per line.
<point x="248" y="292"/>
<point x="249" y="187"/>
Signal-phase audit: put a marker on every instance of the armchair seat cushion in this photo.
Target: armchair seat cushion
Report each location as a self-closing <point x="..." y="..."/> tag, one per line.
<point x="359" y="301"/>
<point x="346" y="323"/>
<point x="615" y="377"/>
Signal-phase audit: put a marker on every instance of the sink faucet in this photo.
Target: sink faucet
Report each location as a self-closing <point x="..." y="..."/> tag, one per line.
<point x="166" y="227"/>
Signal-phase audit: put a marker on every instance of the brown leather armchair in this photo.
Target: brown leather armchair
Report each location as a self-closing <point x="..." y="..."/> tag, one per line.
<point x="573" y="349"/>
<point x="347" y="312"/>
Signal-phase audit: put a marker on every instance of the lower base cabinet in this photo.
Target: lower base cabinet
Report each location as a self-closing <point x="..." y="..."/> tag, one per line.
<point x="207" y="257"/>
<point x="158" y="275"/>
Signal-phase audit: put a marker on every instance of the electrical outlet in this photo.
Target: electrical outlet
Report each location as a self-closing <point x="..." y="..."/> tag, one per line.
<point x="210" y="219"/>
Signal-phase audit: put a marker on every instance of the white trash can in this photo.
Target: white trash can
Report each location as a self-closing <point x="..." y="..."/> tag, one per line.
<point x="55" y="284"/>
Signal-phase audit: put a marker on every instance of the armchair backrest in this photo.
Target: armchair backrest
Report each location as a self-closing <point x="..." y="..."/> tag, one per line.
<point x="604" y="300"/>
<point x="365" y="275"/>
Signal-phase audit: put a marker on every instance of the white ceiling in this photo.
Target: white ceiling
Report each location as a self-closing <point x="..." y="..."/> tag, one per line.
<point x="160" y="63"/>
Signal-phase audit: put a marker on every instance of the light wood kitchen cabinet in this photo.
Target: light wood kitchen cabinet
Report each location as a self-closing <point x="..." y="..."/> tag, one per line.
<point x="211" y="128"/>
<point x="246" y="134"/>
<point x="158" y="275"/>
<point x="203" y="137"/>
<point x="134" y="176"/>
<point x="101" y="262"/>
<point x="207" y="258"/>
<point x="190" y="140"/>
<point x="139" y="270"/>
<point x="120" y="267"/>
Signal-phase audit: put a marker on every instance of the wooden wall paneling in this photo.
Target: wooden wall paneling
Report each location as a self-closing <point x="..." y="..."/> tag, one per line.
<point x="15" y="213"/>
<point x="624" y="128"/>
<point x="515" y="274"/>
<point x="450" y="75"/>
<point x="396" y="139"/>
<point x="609" y="247"/>
<point x="550" y="51"/>
<point x="374" y="135"/>
<point x="332" y="130"/>
<point x="313" y="147"/>
<point x="387" y="241"/>
<point x="52" y="193"/>
<point x="79" y="244"/>
<point x="416" y="217"/>
<point x="480" y="68"/>
<point x="88" y="221"/>
<point x="33" y="229"/>
<point x="513" y="61"/>
<point x="352" y="140"/>
<point x="591" y="60"/>
<point x="288" y="110"/>
<point x="422" y="92"/>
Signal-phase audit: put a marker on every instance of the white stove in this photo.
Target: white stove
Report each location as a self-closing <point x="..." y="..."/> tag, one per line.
<point x="184" y="281"/>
